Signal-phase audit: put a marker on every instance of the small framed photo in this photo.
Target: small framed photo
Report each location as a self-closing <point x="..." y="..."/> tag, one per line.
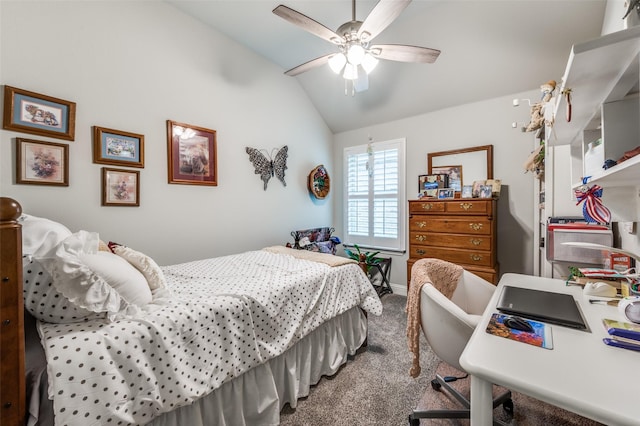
<point x="42" y="163"/>
<point x="117" y="148"/>
<point x="485" y="191"/>
<point x="192" y="154"/>
<point x="446" y="193"/>
<point x="454" y="173"/>
<point x="42" y="115"/>
<point x="120" y="187"/>
<point x="496" y="186"/>
<point x="477" y="186"/>
<point x="428" y="185"/>
<point x="467" y="191"/>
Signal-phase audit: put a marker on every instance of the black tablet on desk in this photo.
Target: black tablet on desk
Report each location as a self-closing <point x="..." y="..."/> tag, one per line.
<point x="545" y="306"/>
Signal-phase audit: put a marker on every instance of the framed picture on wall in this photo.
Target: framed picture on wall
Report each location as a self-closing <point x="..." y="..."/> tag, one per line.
<point x="42" y="163"/>
<point x="192" y="154"/>
<point x="117" y="147"/>
<point x="42" y="115"/>
<point x="120" y="187"/>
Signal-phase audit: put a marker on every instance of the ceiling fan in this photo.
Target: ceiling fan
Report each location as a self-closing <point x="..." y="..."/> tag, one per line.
<point x="356" y="57"/>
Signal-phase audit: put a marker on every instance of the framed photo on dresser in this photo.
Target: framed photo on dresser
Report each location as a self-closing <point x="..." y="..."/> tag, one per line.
<point x="454" y="174"/>
<point x="428" y="185"/>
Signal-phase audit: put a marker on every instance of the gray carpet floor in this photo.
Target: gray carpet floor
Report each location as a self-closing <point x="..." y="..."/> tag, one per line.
<point x="374" y="387"/>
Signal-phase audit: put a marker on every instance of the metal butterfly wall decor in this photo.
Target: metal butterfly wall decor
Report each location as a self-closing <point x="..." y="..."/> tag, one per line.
<point x="267" y="165"/>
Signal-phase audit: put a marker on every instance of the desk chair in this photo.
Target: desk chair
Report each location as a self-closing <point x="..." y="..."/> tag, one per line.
<point x="447" y="325"/>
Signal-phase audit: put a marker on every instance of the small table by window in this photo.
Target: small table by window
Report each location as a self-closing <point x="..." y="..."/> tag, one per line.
<point x="379" y="274"/>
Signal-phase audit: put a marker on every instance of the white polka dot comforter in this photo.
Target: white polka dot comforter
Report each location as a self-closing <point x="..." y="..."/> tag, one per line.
<point x="227" y="315"/>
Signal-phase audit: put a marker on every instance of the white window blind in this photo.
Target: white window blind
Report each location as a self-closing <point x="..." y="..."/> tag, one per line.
<point x="374" y="195"/>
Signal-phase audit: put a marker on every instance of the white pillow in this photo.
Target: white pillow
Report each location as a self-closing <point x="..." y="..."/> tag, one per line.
<point x="143" y="263"/>
<point x="98" y="283"/>
<point x="121" y="275"/>
<point x="39" y="235"/>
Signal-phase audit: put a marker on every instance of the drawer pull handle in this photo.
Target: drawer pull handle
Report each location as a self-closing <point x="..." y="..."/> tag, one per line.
<point x="475" y="241"/>
<point x="420" y="251"/>
<point x="466" y="206"/>
<point x="426" y="206"/>
<point x="475" y="226"/>
<point x="475" y="257"/>
<point x="421" y="237"/>
<point x="5" y="279"/>
<point x="6" y="322"/>
<point x="421" y="224"/>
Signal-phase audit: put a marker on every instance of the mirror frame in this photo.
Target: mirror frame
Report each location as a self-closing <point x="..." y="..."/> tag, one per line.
<point x="487" y="148"/>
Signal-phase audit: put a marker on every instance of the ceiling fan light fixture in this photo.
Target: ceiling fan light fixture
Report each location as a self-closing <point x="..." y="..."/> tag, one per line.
<point x="369" y="62"/>
<point x="355" y="54"/>
<point x="350" y="72"/>
<point x="337" y="62"/>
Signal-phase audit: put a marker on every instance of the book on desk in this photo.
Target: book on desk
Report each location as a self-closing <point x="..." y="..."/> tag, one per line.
<point x="623" y="334"/>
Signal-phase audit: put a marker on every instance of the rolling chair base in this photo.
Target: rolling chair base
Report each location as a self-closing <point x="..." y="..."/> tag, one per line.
<point x="464" y="413"/>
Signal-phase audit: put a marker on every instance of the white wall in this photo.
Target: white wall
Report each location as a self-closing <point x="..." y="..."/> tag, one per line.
<point x="131" y="66"/>
<point x="482" y="123"/>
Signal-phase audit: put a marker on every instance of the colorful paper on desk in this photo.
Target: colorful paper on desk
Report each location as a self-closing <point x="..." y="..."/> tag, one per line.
<point x="540" y="337"/>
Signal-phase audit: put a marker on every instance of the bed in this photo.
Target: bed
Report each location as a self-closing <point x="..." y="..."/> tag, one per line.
<point x="221" y="341"/>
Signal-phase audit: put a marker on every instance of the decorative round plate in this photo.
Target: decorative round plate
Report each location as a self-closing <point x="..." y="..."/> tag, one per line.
<point x="319" y="182"/>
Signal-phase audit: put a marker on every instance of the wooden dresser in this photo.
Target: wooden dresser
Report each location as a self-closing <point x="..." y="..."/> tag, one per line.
<point x="461" y="230"/>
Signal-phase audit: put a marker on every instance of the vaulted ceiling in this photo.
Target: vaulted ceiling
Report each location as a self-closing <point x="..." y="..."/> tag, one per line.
<point x="490" y="48"/>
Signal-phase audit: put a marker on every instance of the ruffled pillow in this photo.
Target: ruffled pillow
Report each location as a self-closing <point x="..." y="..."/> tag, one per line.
<point x="143" y="263"/>
<point x="92" y="282"/>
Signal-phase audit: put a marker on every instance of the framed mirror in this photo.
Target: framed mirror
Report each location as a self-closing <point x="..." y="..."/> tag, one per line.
<point x="470" y="164"/>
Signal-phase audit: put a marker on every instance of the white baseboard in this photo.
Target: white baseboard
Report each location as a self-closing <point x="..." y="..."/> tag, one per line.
<point x="399" y="289"/>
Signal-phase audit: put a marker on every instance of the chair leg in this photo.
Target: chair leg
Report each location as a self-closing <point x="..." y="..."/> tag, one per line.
<point x="464" y="413"/>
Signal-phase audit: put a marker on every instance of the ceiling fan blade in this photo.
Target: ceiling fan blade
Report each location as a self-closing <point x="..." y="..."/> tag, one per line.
<point x="383" y="14"/>
<point x="405" y="53"/>
<point x="309" y="65"/>
<point x="307" y="24"/>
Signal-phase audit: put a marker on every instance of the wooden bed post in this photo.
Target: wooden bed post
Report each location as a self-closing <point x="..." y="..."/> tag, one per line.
<point x="12" y="376"/>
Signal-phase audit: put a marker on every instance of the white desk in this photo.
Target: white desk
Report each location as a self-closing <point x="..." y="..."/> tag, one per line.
<point x="580" y="374"/>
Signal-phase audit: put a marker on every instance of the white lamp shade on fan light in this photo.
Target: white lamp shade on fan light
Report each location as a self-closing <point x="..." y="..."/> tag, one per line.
<point x="339" y="62"/>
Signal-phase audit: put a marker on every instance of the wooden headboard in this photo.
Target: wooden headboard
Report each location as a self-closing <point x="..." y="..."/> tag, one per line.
<point x="12" y="376"/>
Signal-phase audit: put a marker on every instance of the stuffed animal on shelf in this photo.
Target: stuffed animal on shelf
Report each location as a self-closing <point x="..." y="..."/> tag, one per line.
<point x="537" y="109"/>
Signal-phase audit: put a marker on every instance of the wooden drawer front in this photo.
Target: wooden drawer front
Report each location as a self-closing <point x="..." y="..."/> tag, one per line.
<point x="458" y="206"/>
<point x="488" y="276"/>
<point x="461" y="256"/>
<point x="475" y="226"/>
<point x="468" y="207"/>
<point x="426" y="207"/>
<point x="473" y="242"/>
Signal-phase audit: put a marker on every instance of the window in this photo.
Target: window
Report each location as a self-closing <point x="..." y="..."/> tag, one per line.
<point x="374" y="195"/>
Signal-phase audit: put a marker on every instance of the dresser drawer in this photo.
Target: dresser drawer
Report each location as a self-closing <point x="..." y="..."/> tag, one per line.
<point x="460" y="256"/>
<point x="426" y="207"/>
<point x="458" y="206"/>
<point x="468" y="207"/>
<point x="473" y="242"/>
<point x="472" y="225"/>
<point x="489" y="274"/>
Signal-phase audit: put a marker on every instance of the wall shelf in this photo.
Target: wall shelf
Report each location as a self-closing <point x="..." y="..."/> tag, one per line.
<point x="624" y="174"/>
<point x="598" y="71"/>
